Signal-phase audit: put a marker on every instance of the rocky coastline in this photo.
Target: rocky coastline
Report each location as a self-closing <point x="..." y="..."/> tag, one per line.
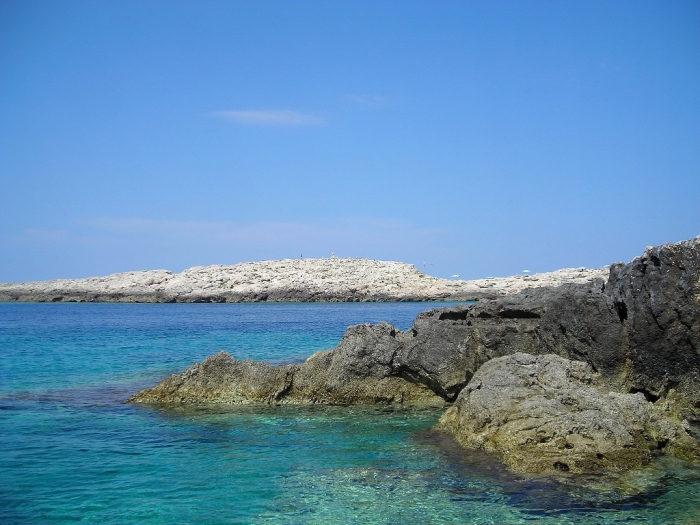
<point x="291" y="280"/>
<point x="585" y="377"/>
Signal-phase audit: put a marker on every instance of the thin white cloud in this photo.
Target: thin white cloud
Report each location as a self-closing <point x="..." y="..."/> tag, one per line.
<point x="65" y="236"/>
<point x="367" y="101"/>
<point x="276" y="117"/>
<point x="262" y="233"/>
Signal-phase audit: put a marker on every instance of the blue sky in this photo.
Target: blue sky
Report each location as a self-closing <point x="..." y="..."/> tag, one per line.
<point x="472" y="138"/>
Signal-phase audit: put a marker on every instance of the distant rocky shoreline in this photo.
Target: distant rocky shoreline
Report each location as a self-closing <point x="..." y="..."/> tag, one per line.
<point x="289" y="280"/>
<point x="583" y="377"/>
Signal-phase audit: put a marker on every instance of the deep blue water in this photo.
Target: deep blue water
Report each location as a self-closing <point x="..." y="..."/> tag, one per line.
<point x="72" y="451"/>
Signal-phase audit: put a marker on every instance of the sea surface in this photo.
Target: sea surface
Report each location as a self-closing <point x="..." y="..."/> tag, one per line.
<point x="72" y="451"/>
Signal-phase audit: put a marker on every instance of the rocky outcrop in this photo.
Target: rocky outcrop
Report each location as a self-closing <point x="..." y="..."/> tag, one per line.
<point x="547" y="413"/>
<point x="222" y="379"/>
<point x="657" y="301"/>
<point x="640" y="329"/>
<point x="619" y="368"/>
<point x="333" y="279"/>
<point x="371" y="364"/>
<point x="362" y="369"/>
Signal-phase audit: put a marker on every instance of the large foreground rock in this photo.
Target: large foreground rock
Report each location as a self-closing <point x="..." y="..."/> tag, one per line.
<point x="332" y="279"/>
<point x="547" y="413"/>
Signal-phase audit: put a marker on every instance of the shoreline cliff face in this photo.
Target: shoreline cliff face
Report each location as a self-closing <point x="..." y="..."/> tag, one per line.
<point x="586" y="377"/>
<point x="290" y="280"/>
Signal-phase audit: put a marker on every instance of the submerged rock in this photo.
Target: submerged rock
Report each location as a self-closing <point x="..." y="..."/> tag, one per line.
<point x="547" y="414"/>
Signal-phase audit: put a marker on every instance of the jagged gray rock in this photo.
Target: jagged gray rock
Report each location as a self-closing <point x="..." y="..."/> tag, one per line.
<point x="548" y="414"/>
<point x="640" y="329"/>
<point x="657" y="300"/>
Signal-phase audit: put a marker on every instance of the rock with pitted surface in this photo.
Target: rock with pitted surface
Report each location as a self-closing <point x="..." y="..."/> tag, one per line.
<point x="546" y="414"/>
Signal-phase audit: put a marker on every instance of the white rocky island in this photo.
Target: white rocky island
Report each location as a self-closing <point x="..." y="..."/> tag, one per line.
<point x="332" y="280"/>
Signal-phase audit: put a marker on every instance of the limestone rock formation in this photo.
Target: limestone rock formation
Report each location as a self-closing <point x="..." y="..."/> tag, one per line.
<point x="628" y="345"/>
<point x="547" y="413"/>
<point x="371" y="364"/>
<point x="641" y="335"/>
<point x="360" y="370"/>
<point x="640" y="329"/>
<point x="334" y="279"/>
<point x="221" y="379"/>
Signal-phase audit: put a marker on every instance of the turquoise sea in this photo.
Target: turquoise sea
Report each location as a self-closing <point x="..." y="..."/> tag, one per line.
<point x="72" y="451"/>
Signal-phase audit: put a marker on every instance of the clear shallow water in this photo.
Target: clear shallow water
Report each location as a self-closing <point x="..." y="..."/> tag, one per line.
<point x="72" y="451"/>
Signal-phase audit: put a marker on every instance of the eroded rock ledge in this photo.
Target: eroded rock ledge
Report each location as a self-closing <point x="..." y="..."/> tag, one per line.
<point x="598" y="375"/>
<point x="334" y="279"/>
